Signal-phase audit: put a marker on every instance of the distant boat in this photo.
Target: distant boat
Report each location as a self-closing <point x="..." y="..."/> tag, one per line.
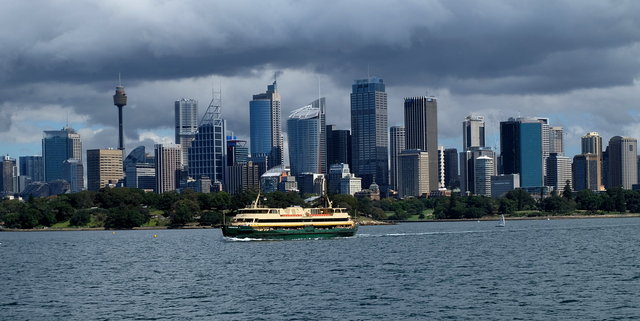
<point x="502" y="222"/>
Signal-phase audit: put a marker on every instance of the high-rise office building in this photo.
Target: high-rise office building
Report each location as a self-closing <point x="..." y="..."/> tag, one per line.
<point x="370" y="140"/>
<point x="338" y="145"/>
<point x="104" y="168"/>
<point x="336" y="173"/>
<point x="558" y="171"/>
<point x="306" y="131"/>
<point x="207" y="154"/>
<point x="556" y="140"/>
<point x="186" y="119"/>
<point x="8" y="177"/>
<point x="623" y="160"/>
<point x="484" y="168"/>
<point x="237" y="151"/>
<point x="396" y="144"/>
<point x="167" y="162"/>
<point x="586" y="172"/>
<point x="468" y="165"/>
<point x="414" y="173"/>
<point x="141" y="175"/>
<point x="473" y="134"/>
<point x="320" y="103"/>
<point x="242" y="176"/>
<point x="441" y="167"/>
<point x="521" y="150"/>
<point x="73" y="170"/>
<point x="264" y="121"/>
<point x="451" y="171"/>
<point x="421" y="130"/>
<point x="502" y="184"/>
<point x="592" y="144"/>
<point x="57" y="147"/>
<point x="33" y="167"/>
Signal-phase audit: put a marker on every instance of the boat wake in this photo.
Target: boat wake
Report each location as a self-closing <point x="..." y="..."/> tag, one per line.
<point x="421" y="233"/>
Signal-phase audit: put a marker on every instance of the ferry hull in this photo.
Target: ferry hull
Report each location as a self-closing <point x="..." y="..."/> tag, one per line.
<point x="247" y="232"/>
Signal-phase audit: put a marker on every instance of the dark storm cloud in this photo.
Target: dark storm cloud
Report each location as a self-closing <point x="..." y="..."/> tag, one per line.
<point x="469" y="46"/>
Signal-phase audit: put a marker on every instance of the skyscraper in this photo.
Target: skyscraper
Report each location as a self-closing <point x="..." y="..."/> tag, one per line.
<point x="484" y="168"/>
<point x="104" y="168"/>
<point x="264" y="119"/>
<point x="468" y="167"/>
<point x="421" y="126"/>
<point x="33" y="167"/>
<point x="623" y="160"/>
<point x="8" y="177"/>
<point x="414" y="173"/>
<point x="451" y="172"/>
<point x="208" y="148"/>
<point x="73" y="170"/>
<point x="558" y="171"/>
<point x="370" y="140"/>
<point x="237" y="151"/>
<point x="186" y="119"/>
<point x="473" y="132"/>
<point x="585" y="171"/>
<point x="556" y="140"/>
<point x="306" y="130"/>
<point x="396" y="142"/>
<point x="521" y="150"/>
<point x="338" y="145"/>
<point x="57" y="147"/>
<point x="167" y="162"/>
<point x="592" y="144"/>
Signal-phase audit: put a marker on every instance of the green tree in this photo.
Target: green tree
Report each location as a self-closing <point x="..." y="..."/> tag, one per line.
<point x="184" y="212"/>
<point x="617" y="200"/>
<point x="80" y="218"/>
<point x="126" y="217"/>
<point x="210" y="218"/>
<point x="167" y="200"/>
<point x="557" y="205"/>
<point x="507" y="206"/>
<point x="523" y="200"/>
<point x="588" y="200"/>
<point x="566" y="192"/>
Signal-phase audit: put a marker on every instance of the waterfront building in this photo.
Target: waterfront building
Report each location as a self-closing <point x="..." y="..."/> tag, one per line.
<point x="32" y="167"/>
<point x="585" y="172"/>
<point x="467" y="167"/>
<point x="414" y="173"/>
<point x="264" y="121"/>
<point x="484" y="169"/>
<point x="57" y="147"/>
<point x="370" y="141"/>
<point x="451" y="171"/>
<point x="397" y="145"/>
<point x="623" y="159"/>
<point x="104" y="168"/>
<point x="338" y="145"/>
<point x="421" y="132"/>
<point x="186" y="121"/>
<point x="473" y="132"/>
<point x="521" y="150"/>
<point x="307" y="139"/>
<point x="167" y="162"/>
<point x="558" y="171"/>
<point x="502" y="184"/>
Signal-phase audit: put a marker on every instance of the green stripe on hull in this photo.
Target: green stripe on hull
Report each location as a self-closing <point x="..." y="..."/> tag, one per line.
<point x="286" y="234"/>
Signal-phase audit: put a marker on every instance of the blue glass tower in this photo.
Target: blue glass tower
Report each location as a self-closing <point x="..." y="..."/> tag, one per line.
<point x="264" y="122"/>
<point x="305" y="130"/>
<point x="57" y="147"/>
<point x="521" y="150"/>
<point x="370" y="140"/>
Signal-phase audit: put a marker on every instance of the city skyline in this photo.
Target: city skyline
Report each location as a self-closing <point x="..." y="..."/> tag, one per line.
<point x="524" y="60"/>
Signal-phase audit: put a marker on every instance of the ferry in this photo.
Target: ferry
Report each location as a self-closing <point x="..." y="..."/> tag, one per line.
<point x="257" y="222"/>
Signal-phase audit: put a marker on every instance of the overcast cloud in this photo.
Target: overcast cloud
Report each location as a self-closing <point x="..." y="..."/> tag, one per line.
<point x="576" y="62"/>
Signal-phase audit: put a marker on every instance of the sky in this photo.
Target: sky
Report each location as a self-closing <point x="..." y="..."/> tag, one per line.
<point x="575" y="62"/>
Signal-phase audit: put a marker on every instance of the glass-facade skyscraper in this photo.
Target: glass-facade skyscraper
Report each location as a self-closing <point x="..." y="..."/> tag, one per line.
<point x="207" y="154"/>
<point x="57" y="147"/>
<point x="338" y="146"/>
<point x="370" y="140"/>
<point x="307" y="146"/>
<point x="521" y="150"/>
<point x="264" y="122"/>
<point x="421" y="132"/>
<point x="186" y="119"/>
<point x="396" y="141"/>
<point x="32" y="166"/>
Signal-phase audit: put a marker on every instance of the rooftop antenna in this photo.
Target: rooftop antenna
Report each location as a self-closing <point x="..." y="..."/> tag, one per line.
<point x="119" y="80"/>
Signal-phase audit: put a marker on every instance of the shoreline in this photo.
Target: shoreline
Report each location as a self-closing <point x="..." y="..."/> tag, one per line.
<point x="362" y="223"/>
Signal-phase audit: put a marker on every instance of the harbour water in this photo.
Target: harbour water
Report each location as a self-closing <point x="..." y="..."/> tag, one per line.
<point x="529" y="270"/>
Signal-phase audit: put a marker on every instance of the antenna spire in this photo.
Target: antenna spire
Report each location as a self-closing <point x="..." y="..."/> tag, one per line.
<point x="119" y="80"/>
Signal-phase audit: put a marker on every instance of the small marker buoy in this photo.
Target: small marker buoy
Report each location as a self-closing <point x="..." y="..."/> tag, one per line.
<point x="113" y="232"/>
<point x="154" y="235"/>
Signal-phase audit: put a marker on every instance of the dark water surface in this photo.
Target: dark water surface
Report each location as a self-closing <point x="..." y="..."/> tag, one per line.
<point x="529" y="270"/>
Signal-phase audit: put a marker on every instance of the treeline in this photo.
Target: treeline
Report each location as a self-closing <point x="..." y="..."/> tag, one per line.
<point x="122" y="208"/>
